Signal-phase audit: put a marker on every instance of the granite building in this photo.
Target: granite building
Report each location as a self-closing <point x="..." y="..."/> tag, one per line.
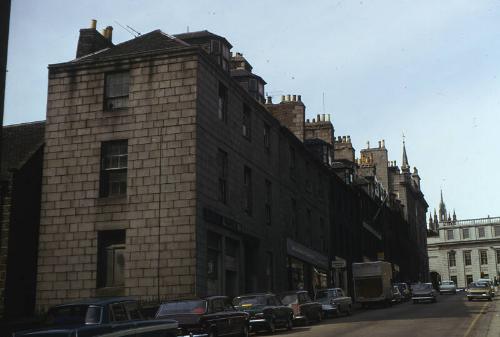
<point x="165" y="173"/>
<point x="463" y="250"/>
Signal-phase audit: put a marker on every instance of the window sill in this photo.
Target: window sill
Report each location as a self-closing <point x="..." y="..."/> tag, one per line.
<point x="110" y="291"/>
<point x="112" y="200"/>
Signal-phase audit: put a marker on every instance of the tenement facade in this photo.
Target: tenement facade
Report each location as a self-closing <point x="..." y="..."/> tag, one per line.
<point x="167" y="175"/>
<point x="463" y="250"/>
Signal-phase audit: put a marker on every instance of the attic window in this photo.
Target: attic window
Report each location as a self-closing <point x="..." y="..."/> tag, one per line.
<point x="116" y="91"/>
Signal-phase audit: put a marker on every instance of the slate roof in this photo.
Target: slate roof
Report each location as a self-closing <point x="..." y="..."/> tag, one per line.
<point x="150" y="42"/>
<point x="201" y="34"/>
<point x="19" y="142"/>
<point x="244" y="73"/>
<point x="153" y="41"/>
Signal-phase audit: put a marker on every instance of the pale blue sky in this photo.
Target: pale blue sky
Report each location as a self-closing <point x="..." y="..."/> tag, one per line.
<point x="428" y="68"/>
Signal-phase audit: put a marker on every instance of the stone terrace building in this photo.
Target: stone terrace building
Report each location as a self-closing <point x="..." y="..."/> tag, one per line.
<point x="463" y="250"/>
<point x="163" y="177"/>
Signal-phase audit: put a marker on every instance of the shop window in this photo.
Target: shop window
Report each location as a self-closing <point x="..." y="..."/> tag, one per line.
<point x="467" y="258"/>
<point x="110" y="258"/>
<point x="269" y="271"/>
<point x="114" y="162"/>
<point x="116" y="91"/>
<point x="222" y="103"/>
<point x="222" y="164"/>
<point x="483" y="257"/>
<point x="452" y="262"/>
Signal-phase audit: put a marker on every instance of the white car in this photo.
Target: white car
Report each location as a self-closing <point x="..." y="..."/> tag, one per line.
<point x="448" y="287"/>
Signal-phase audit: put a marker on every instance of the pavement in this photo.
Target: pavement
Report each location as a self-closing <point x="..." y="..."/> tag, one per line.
<point x="451" y="316"/>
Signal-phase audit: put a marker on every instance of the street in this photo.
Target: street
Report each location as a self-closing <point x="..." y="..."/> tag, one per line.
<point x="451" y="316"/>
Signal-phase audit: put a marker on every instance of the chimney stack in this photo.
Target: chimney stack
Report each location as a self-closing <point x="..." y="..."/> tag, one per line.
<point x="108" y="33"/>
<point x="93" y="24"/>
<point x="91" y="41"/>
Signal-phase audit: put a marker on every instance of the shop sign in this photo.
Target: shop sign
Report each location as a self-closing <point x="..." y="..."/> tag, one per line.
<point x="338" y="264"/>
<point x="305" y="254"/>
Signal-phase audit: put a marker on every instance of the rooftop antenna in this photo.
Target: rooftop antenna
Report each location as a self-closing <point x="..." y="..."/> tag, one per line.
<point x="138" y="33"/>
<point x="128" y="31"/>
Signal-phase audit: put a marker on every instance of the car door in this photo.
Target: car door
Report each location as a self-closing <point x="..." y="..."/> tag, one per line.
<point x="220" y="317"/>
<point x="342" y="300"/>
<point x="234" y="319"/>
<point x="272" y="304"/>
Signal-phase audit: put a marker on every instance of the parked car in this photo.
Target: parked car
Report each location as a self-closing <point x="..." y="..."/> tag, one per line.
<point x="333" y="301"/>
<point x="304" y="309"/>
<point x="396" y="295"/>
<point x="96" y="317"/>
<point x="212" y="316"/>
<point x="423" y="292"/>
<point x="447" y="287"/>
<point x="479" y="290"/>
<point x="266" y="311"/>
<point x="405" y="291"/>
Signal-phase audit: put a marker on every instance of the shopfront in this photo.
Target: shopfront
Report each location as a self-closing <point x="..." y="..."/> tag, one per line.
<point x="307" y="268"/>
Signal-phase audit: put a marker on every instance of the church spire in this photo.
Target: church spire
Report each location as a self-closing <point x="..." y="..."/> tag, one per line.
<point x="404" y="166"/>
<point x="442" y="209"/>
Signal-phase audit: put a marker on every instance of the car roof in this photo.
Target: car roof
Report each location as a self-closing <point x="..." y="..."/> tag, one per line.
<point x="255" y="294"/>
<point x="98" y="301"/>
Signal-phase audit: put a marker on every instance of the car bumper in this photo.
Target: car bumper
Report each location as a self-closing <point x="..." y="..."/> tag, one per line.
<point x="447" y="290"/>
<point x="194" y="335"/>
<point x="329" y="309"/>
<point x="423" y="298"/>
<point x="479" y="295"/>
<point x="258" y="324"/>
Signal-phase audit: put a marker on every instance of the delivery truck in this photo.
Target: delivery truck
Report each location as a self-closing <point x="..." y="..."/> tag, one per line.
<point x="372" y="282"/>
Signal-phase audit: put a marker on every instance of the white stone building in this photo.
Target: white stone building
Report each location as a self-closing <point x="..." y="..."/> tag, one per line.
<point x="463" y="250"/>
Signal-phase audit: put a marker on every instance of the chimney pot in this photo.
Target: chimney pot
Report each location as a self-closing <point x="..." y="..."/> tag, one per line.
<point x="328" y="117"/>
<point x="109" y="33"/>
<point x="314" y="120"/>
<point x="383" y="143"/>
<point x="294" y="98"/>
<point x="348" y="139"/>
<point x="282" y="98"/>
<point x="379" y="144"/>
<point x="307" y="120"/>
<point x="288" y="98"/>
<point x="299" y="98"/>
<point x="339" y="139"/>
<point x="368" y="144"/>
<point x="318" y="118"/>
<point x="93" y="24"/>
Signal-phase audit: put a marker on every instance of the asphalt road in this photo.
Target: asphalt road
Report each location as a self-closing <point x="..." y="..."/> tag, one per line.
<point x="451" y="316"/>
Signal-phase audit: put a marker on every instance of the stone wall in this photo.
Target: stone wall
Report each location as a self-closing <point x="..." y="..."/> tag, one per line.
<point x="159" y="125"/>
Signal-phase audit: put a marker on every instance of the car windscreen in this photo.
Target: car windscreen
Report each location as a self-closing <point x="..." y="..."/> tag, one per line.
<point x="249" y="301"/>
<point x="289" y="299"/>
<point x="447" y="283"/>
<point x="478" y="285"/>
<point x="74" y="314"/>
<point x="183" y="307"/>
<point x="423" y="286"/>
<point x="324" y="294"/>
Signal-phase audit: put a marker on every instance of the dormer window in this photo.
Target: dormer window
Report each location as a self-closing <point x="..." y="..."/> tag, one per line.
<point x="215" y="47"/>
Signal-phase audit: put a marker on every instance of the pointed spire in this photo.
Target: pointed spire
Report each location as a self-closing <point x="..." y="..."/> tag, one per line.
<point x="454" y="215"/>
<point x="404" y="165"/>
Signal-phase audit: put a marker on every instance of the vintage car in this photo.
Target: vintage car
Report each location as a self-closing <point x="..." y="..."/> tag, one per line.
<point x="422" y="292"/>
<point x="210" y="317"/>
<point x="397" y="296"/>
<point x="447" y="287"/>
<point x="404" y="290"/>
<point x="266" y="311"/>
<point x="101" y="317"/>
<point x="479" y="290"/>
<point x="333" y="301"/>
<point x="304" y="309"/>
<point x="490" y="282"/>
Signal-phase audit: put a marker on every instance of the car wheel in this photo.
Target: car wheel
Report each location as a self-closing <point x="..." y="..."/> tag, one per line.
<point x="415" y="301"/>
<point x="212" y="333"/>
<point x="490" y="299"/>
<point x="289" y="324"/>
<point x="470" y="299"/>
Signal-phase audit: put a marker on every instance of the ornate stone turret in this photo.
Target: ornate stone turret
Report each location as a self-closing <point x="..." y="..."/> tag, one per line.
<point x="404" y="166"/>
<point x="442" y="209"/>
